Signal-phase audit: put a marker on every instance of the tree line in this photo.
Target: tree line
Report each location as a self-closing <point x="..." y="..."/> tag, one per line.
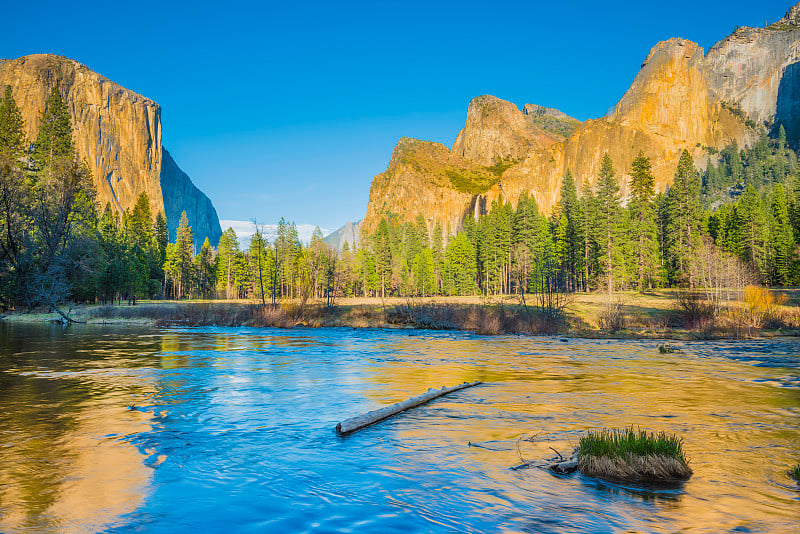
<point x="744" y="208"/>
<point x="742" y="212"/>
<point x="56" y="244"/>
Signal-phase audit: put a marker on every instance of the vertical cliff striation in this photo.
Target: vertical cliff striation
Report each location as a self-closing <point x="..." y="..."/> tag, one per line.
<point x="758" y="69"/>
<point x="117" y="132"/>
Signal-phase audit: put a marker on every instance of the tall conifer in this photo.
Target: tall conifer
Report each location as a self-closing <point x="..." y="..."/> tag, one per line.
<point x="643" y="219"/>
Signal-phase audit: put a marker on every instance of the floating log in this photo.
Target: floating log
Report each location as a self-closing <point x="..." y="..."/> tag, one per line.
<point x="355" y="423"/>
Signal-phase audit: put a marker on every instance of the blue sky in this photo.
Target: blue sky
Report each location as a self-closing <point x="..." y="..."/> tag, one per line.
<point x="289" y="109"/>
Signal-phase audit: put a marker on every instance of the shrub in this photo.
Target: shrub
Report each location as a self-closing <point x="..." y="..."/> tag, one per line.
<point x="613" y="317"/>
<point x="763" y="306"/>
<point x="484" y="320"/>
<point x="695" y="311"/>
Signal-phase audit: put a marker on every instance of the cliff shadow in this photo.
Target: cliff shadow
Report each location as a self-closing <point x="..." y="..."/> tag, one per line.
<point x="788" y="108"/>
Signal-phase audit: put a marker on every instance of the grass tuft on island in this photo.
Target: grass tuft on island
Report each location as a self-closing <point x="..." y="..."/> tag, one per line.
<point x="630" y="455"/>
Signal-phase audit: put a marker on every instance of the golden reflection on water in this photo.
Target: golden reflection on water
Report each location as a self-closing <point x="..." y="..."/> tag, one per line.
<point x="556" y="397"/>
<point x="67" y="468"/>
<point x="81" y="479"/>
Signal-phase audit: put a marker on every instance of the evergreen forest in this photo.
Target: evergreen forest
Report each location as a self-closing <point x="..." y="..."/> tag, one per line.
<point x="741" y="214"/>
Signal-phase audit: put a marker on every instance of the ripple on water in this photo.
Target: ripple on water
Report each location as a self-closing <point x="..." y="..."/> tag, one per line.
<point x="232" y="430"/>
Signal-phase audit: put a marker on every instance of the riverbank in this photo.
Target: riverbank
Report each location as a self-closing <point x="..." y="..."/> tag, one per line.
<point x="651" y="315"/>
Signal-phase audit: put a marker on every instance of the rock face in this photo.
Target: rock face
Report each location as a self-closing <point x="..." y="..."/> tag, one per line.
<point x="681" y="99"/>
<point x="181" y="194"/>
<point x="416" y="180"/>
<point x="497" y="130"/>
<point x="350" y="233"/>
<point x="118" y="133"/>
<point x="758" y="69"/>
<point x="551" y="120"/>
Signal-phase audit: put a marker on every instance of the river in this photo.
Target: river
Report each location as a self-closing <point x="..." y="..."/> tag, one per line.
<point x="120" y="429"/>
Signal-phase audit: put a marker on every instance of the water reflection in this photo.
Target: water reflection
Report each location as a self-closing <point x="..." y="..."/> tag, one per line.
<point x="233" y="431"/>
<point x="67" y="466"/>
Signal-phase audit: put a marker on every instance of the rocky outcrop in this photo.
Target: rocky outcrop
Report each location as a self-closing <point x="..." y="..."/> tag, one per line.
<point x="551" y="120"/>
<point x="419" y="180"/>
<point x="669" y="96"/>
<point x="497" y="130"/>
<point x="350" y="233"/>
<point x="790" y="21"/>
<point x="681" y="99"/>
<point x="117" y="132"/>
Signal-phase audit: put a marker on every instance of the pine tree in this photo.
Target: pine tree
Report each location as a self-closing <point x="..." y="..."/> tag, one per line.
<point x="525" y="232"/>
<point x="142" y="220"/>
<point x="259" y="265"/>
<point x="794" y="203"/>
<point x="588" y="235"/>
<point x="570" y="207"/>
<point x="54" y="141"/>
<point x="751" y="222"/>
<point x="12" y="127"/>
<point x="227" y="250"/>
<point x="684" y="217"/>
<point x="561" y="256"/>
<point x="161" y="233"/>
<point x="204" y="270"/>
<point x="607" y="220"/>
<point x="424" y="275"/>
<point x="368" y="272"/>
<point x="317" y="260"/>
<point x="643" y="218"/>
<point x="437" y="249"/>
<point x="181" y="265"/>
<point x="461" y="260"/>
<point x="781" y="239"/>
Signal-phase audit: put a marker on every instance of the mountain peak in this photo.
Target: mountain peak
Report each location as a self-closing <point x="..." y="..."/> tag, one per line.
<point x="496" y="129"/>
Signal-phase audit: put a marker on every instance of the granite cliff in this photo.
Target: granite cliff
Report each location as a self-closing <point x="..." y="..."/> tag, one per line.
<point x="497" y="130"/>
<point x="350" y="233"/>
<point x="682" y="98"/>
<point x="118" y="133"/>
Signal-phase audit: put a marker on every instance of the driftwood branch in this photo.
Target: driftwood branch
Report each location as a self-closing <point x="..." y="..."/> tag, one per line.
<point x="567" y="466"/>
<point x="355" y="423"/>
<point x="66" y="319"/>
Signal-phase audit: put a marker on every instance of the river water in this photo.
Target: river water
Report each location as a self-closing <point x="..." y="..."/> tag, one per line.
<point x="115" y="429"/>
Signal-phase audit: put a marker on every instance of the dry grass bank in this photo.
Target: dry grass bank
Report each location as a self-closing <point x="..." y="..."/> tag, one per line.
<point x="653" y="314"/>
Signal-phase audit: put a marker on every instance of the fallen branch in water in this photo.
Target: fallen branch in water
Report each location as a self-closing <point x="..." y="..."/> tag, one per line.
<point x="478" y="445"/>
<point x="565" y="466"/>
<point x="356" y="423"/>
<point x="66" y="319"/>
